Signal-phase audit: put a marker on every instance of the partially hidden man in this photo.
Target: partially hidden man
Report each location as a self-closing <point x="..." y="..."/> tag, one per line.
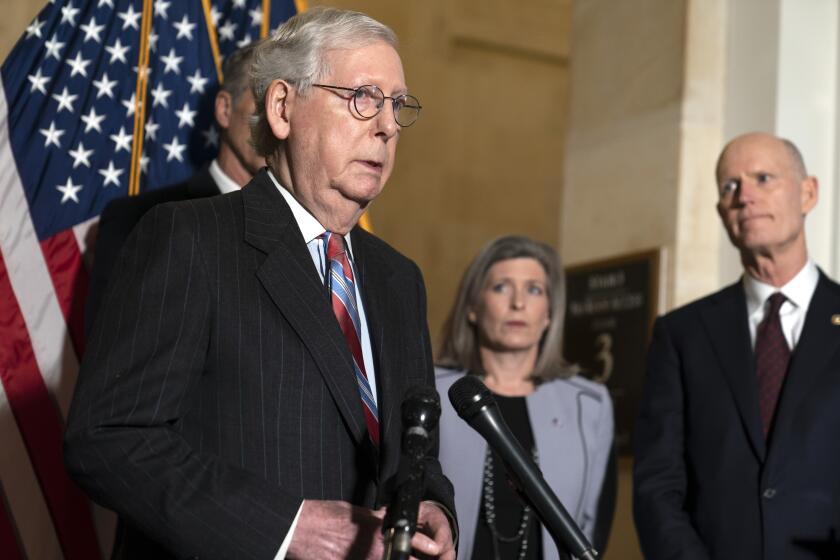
<point x="736" y="444"/>
<point x="240" y="396"/>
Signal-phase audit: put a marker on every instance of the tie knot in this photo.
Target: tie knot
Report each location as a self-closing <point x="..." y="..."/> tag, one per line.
<point x="776" y="300"/>
<point x="335" y="245"/>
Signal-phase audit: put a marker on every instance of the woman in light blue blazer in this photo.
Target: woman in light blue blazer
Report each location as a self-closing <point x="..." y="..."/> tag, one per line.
<point x="506" y="327"/>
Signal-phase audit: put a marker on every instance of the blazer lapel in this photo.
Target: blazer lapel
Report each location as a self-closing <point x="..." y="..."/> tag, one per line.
<point x="725" y="320"/>
<point x="377" y="290"/>
<point x="292" y="282"/>
<point x="818" y="343"/>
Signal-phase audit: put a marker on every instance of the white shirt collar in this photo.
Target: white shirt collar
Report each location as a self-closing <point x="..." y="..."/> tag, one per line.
<point x="223" y="180"/>
<point x="309" y="226"/>
<point x="798" y="291"/>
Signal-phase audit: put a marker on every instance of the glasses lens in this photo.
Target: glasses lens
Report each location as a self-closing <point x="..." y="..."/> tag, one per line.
<point x="406" y="109"/>
<point x="368" y="101"/>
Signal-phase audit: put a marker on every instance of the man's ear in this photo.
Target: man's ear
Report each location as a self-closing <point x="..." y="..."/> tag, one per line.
<point x="223" y="109"/>
<point x="279" y="102"/>
<point x="809" y="194"/>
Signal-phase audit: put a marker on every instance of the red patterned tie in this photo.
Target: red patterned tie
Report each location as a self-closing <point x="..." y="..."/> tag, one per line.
<point x="772" y="356"/>
<point x="343" y="293"/>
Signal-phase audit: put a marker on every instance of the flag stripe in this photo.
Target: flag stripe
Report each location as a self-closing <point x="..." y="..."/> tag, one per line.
<point x="30" y="279"/>
<point x="71" y="280"/>
<point x="8" y="538"/>
<point x="40" y="425"/>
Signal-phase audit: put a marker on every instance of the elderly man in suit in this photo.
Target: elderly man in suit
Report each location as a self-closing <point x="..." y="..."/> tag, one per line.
<point x="240" y="396"/>
<point x="736" y="444"/>
<point x="234" y="165"/>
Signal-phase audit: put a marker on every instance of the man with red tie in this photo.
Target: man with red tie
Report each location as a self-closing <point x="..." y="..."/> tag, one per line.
<point x="736" y="453"/>
<point x="240" y="396"/>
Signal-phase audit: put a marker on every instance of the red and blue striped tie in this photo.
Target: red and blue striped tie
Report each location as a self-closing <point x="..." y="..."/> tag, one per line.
<point x="343" y="293"/>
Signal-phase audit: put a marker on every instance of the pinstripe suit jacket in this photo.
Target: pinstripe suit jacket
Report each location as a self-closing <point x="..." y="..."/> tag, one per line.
<point x="217" y="390"/>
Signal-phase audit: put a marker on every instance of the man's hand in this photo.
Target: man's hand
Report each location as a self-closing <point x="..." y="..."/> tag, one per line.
<point x="434" y="534"/>
<point x="330" y="529"/>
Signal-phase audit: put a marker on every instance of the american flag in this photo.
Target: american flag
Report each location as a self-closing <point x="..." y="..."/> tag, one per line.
<point x="71" y="91"/>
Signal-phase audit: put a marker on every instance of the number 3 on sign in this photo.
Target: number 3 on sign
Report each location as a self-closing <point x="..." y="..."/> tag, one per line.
<point x="603" y="345"/>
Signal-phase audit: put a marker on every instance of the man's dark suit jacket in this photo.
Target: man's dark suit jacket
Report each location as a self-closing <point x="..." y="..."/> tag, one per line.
<point x="217" y="391"/>
<point x="118" y="219"/>
<point x="706" y="483"/>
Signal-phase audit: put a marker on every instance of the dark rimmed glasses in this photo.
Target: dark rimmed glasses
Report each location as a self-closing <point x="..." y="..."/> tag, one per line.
<point x="368" y="100"/>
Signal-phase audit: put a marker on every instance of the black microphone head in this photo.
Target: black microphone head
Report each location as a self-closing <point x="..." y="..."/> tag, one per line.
<point x="421" y="407"/>
<point x="468" y="395"/>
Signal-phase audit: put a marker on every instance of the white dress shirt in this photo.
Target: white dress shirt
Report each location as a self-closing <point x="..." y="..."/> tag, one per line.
<point x="223" y="180"/>
<point x="312" y="230"/>
<point x="798" y="292"/>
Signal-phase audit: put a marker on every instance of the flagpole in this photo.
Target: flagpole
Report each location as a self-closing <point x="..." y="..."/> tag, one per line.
<point x="140" y="99"/>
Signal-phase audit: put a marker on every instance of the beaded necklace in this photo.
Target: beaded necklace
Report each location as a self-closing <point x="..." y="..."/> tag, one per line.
<point x="490" y="510"/>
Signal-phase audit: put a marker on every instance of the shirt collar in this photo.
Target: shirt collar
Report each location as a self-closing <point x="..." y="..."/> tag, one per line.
<point x="223" y="180"/>
<point x="798" y="291"/>
<point x="309" y="226"/>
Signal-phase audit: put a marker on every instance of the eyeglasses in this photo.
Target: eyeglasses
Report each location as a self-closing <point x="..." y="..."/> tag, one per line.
<point x="368" y="100"/>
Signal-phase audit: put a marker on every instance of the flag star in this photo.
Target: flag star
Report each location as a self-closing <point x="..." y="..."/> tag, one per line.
<point x="80" y="156"/>
<point x="211" y="137"/>
<point x="153" y="38"/>
<point x="144" y="163"/>
<point x="69" y="13"/>
<point x="79" y="65"/>
<point x="38" y="81"/>
<point x="69" y="191"/>
<point x="35" y="28"/>
<point x="104" y="86"/>
<point x="130" y="18"/>
<point x="226" y="31"/>
<point x="215" y="15"/>
<point x="238" y="3"/>
<point x="65" y="100"/>
<point x="185" y="116"/>
<point x="160" y="95"/>
<point x="92" y="30"/>
<point x="142" y="72"/>
<point x="111" y="174"/>
<point x="53" y="47"/>
<point x="175" y="150"/>
<point x="151" y="129"/>
<point x="130" y="105"/>
<point x="122" y="140"/>
<point x="243" y="41"/>
<point x="92" y="121"/>
<point x="118" y="51"/>
<point x="105" y="2"/>
<point x="197" y="82"/>
<point x="256" y="16"/>
<point x="52" y="135"/>
<point x="172" y="62"/>
<point x="161" y="7"/>
<point x="185" y="28"/>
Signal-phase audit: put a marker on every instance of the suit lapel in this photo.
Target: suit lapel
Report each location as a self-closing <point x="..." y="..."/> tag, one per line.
<point x="819" y="341"/>
<point x="293" y="284"/>
<point x="725" y="320"/>
<point x="377" y="290"/>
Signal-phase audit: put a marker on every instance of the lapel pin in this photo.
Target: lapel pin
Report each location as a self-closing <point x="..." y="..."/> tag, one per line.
<point x="835" y="319"/>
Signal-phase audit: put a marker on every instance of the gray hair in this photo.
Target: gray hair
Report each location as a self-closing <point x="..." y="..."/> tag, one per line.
<point x="296" y="53"/>
<point x="237" y="70"/>
<point x="460" y="337"/>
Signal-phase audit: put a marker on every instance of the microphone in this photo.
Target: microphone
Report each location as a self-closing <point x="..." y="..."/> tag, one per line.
<point x="420" y="414"/>
<point x="475" y="404"/>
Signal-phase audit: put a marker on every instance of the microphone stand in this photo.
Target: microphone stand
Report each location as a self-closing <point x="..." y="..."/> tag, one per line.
<point x="400" y="521"/>
<point x="420" y="413"/>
